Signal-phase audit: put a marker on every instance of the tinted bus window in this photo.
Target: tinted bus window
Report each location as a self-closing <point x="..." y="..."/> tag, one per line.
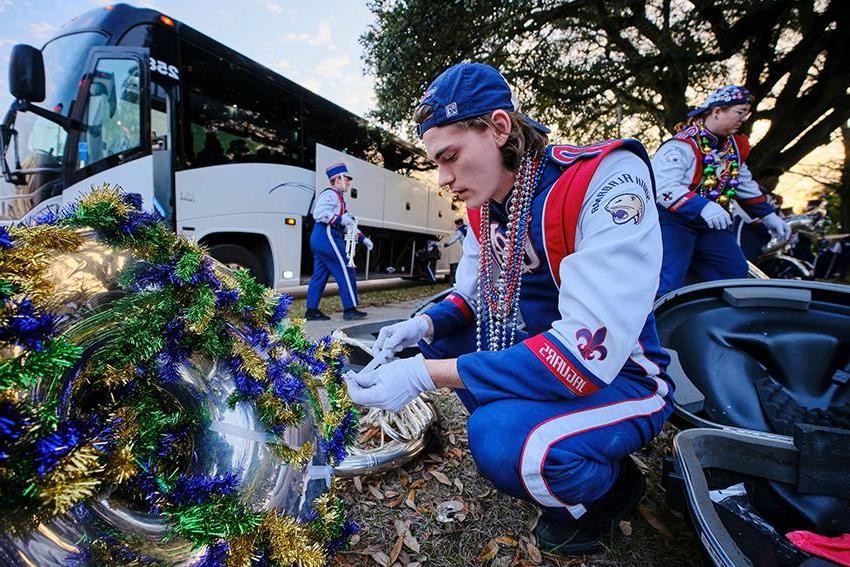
<point x="236" y="117"/>
<point x="339" y="131"/>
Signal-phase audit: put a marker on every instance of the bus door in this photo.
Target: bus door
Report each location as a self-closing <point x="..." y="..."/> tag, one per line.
<point x="113" y="142"/>
<point x="163" y="126"/>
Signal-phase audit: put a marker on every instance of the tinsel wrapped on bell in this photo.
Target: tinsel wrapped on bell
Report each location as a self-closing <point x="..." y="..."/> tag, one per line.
<point x="159" y="408"/>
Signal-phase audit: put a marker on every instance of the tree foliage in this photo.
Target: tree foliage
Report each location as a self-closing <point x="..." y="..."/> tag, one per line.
<point x="579" y="65"/>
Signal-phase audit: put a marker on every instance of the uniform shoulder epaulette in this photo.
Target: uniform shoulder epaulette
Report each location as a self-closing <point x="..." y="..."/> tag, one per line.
<point x="566" y="155"/>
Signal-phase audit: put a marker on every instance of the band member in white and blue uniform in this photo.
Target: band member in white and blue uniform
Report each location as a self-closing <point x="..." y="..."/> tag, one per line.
<point x="327" y="241"/>
<point x="460" y="233"/>
<point x="567" y="238"/>
<point x="698" y="173"/>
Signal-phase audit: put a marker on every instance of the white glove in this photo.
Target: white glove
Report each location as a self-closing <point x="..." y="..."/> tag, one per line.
<point x="392" y="386"/>
<point x="777" y="227"/>
<point x="368" y="243"/>
<point x="715" y="216"/>
<point x="346" y="219"/>
<point x="401" y="335"/>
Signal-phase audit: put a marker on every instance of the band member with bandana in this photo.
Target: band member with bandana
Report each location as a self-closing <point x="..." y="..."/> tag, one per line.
<point x="327" y="241"/>
<point x="698" y="173"/>
<point x="565" y="238"/>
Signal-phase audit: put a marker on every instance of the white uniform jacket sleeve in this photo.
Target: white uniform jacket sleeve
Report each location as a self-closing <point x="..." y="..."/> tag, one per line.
<point x="458" y="235"/>
<point x="605" y="296"/>
<point x="457" y="310"/>
<point x="673" y="165"/>
<point x="327" y="208"/>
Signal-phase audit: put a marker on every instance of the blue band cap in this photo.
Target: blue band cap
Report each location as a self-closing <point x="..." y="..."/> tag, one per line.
<point x="337" y="169"/>
<point x="468" y="90"/>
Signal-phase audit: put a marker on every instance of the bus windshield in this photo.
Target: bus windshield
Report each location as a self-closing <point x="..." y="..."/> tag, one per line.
<point x="41" y="143"/>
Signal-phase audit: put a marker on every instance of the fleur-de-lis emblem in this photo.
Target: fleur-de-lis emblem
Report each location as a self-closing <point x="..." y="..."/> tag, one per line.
<point x="590" y="344"/>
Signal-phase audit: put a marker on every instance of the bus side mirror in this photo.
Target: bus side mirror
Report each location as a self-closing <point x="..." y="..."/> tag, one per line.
<point x="26" y="73"/>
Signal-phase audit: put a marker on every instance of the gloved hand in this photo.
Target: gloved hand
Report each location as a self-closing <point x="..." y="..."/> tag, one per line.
<point x="346" y="219"/>
<point x="715" y="216"/>
<point x="392" y="386"/>
<point x="777" y="227"/>
<point x="368" y="243"/>
<point x="401" y="335"/>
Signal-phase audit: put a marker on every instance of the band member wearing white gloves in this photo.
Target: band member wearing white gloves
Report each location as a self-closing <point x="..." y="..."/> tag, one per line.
<point x="327" y="242"/>
<point x="568" y="238"/>
<point x="698" y="173"/>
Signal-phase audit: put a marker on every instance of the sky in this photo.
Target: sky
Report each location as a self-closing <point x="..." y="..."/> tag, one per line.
<point x="313" y="43"/>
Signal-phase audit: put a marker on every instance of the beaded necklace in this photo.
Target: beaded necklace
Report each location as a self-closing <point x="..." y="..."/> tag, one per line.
<point x="498" y="293"/>
<point x="717" y="187"/>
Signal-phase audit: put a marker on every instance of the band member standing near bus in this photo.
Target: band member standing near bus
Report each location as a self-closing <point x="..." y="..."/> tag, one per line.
<point x="698" y="172"/>
<point x="566" y="237"/>
<point x="460" y="233"/>
<point x="327" y="242"/>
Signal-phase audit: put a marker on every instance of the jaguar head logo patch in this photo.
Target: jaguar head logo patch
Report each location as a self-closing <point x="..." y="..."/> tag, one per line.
<point x="626" y="207"/>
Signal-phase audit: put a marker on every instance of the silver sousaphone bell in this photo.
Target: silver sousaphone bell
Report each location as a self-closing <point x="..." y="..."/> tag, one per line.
<point x="230" y="439"/>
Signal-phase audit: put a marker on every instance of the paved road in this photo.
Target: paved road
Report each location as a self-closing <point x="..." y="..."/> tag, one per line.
<point x="402" y="310"/>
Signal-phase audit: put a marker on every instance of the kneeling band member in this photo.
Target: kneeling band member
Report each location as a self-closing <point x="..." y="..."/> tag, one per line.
<point x="327" y="241"/>
<point x="568" y="238"/>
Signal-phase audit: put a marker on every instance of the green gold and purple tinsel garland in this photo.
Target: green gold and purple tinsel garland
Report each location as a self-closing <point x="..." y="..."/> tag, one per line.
<point x="179" y="305"/>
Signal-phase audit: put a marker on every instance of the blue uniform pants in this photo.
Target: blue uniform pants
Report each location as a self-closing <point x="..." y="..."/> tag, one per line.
<point x="713" y="254"/>
<point x="562" y="455"/>
<point x="329" y="257"/>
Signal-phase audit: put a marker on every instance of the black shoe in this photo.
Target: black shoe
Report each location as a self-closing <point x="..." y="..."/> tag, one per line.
<point x="584" y="536"/>
<point x="353" y="313"/>
<point x="316" y="315"/>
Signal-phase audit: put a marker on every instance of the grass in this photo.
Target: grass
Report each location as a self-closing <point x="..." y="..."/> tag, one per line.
<point x="378" y="298"/>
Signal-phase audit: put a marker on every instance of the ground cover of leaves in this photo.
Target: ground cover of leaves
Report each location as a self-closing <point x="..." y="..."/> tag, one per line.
<point x="397" y="511"/>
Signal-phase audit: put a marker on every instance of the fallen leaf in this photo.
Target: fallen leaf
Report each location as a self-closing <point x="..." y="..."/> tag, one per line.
<point x="400" y="528"/>
<point x="626" y="527"/>
<point x="441" y="478"/>
<point x="488" y="552"/>
<point x="414" y="564"/>
<point x="375" y="492"/>
<point x="403" y="477"/>
<point x="358" y="484"/>
<point x="418" y="483"/>
<point x="502" y="561"/>
<point x="455" y="452"/>
<point x="395" y="501"/>
<point x="452" y="439"/>
<point x="458" y="484"/>
<point x="653" y="521"/>
<point x="534" y="553"/>
<point x="434" y="457"/>
<point x="505" y="540"/>
<point x="381" y="558"/>
<point x="410" y="501"/>
<point x="396" y="549"/>
<point x="390" y="493"/>
<point x="411" y="542"/>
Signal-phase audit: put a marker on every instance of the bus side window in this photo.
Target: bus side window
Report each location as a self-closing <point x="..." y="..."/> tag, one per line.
<point x="112" y="114"/>
<point x="235" y="116"/>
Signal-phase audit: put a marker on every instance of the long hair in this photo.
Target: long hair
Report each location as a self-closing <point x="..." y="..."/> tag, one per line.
<point x="522" y="138"/>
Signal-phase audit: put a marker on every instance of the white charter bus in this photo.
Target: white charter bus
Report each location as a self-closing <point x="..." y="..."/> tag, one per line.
<point x="230" y="153"/>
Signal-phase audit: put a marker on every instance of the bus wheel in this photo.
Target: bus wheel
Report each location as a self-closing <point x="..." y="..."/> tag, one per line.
<point x="234" y="256"/>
